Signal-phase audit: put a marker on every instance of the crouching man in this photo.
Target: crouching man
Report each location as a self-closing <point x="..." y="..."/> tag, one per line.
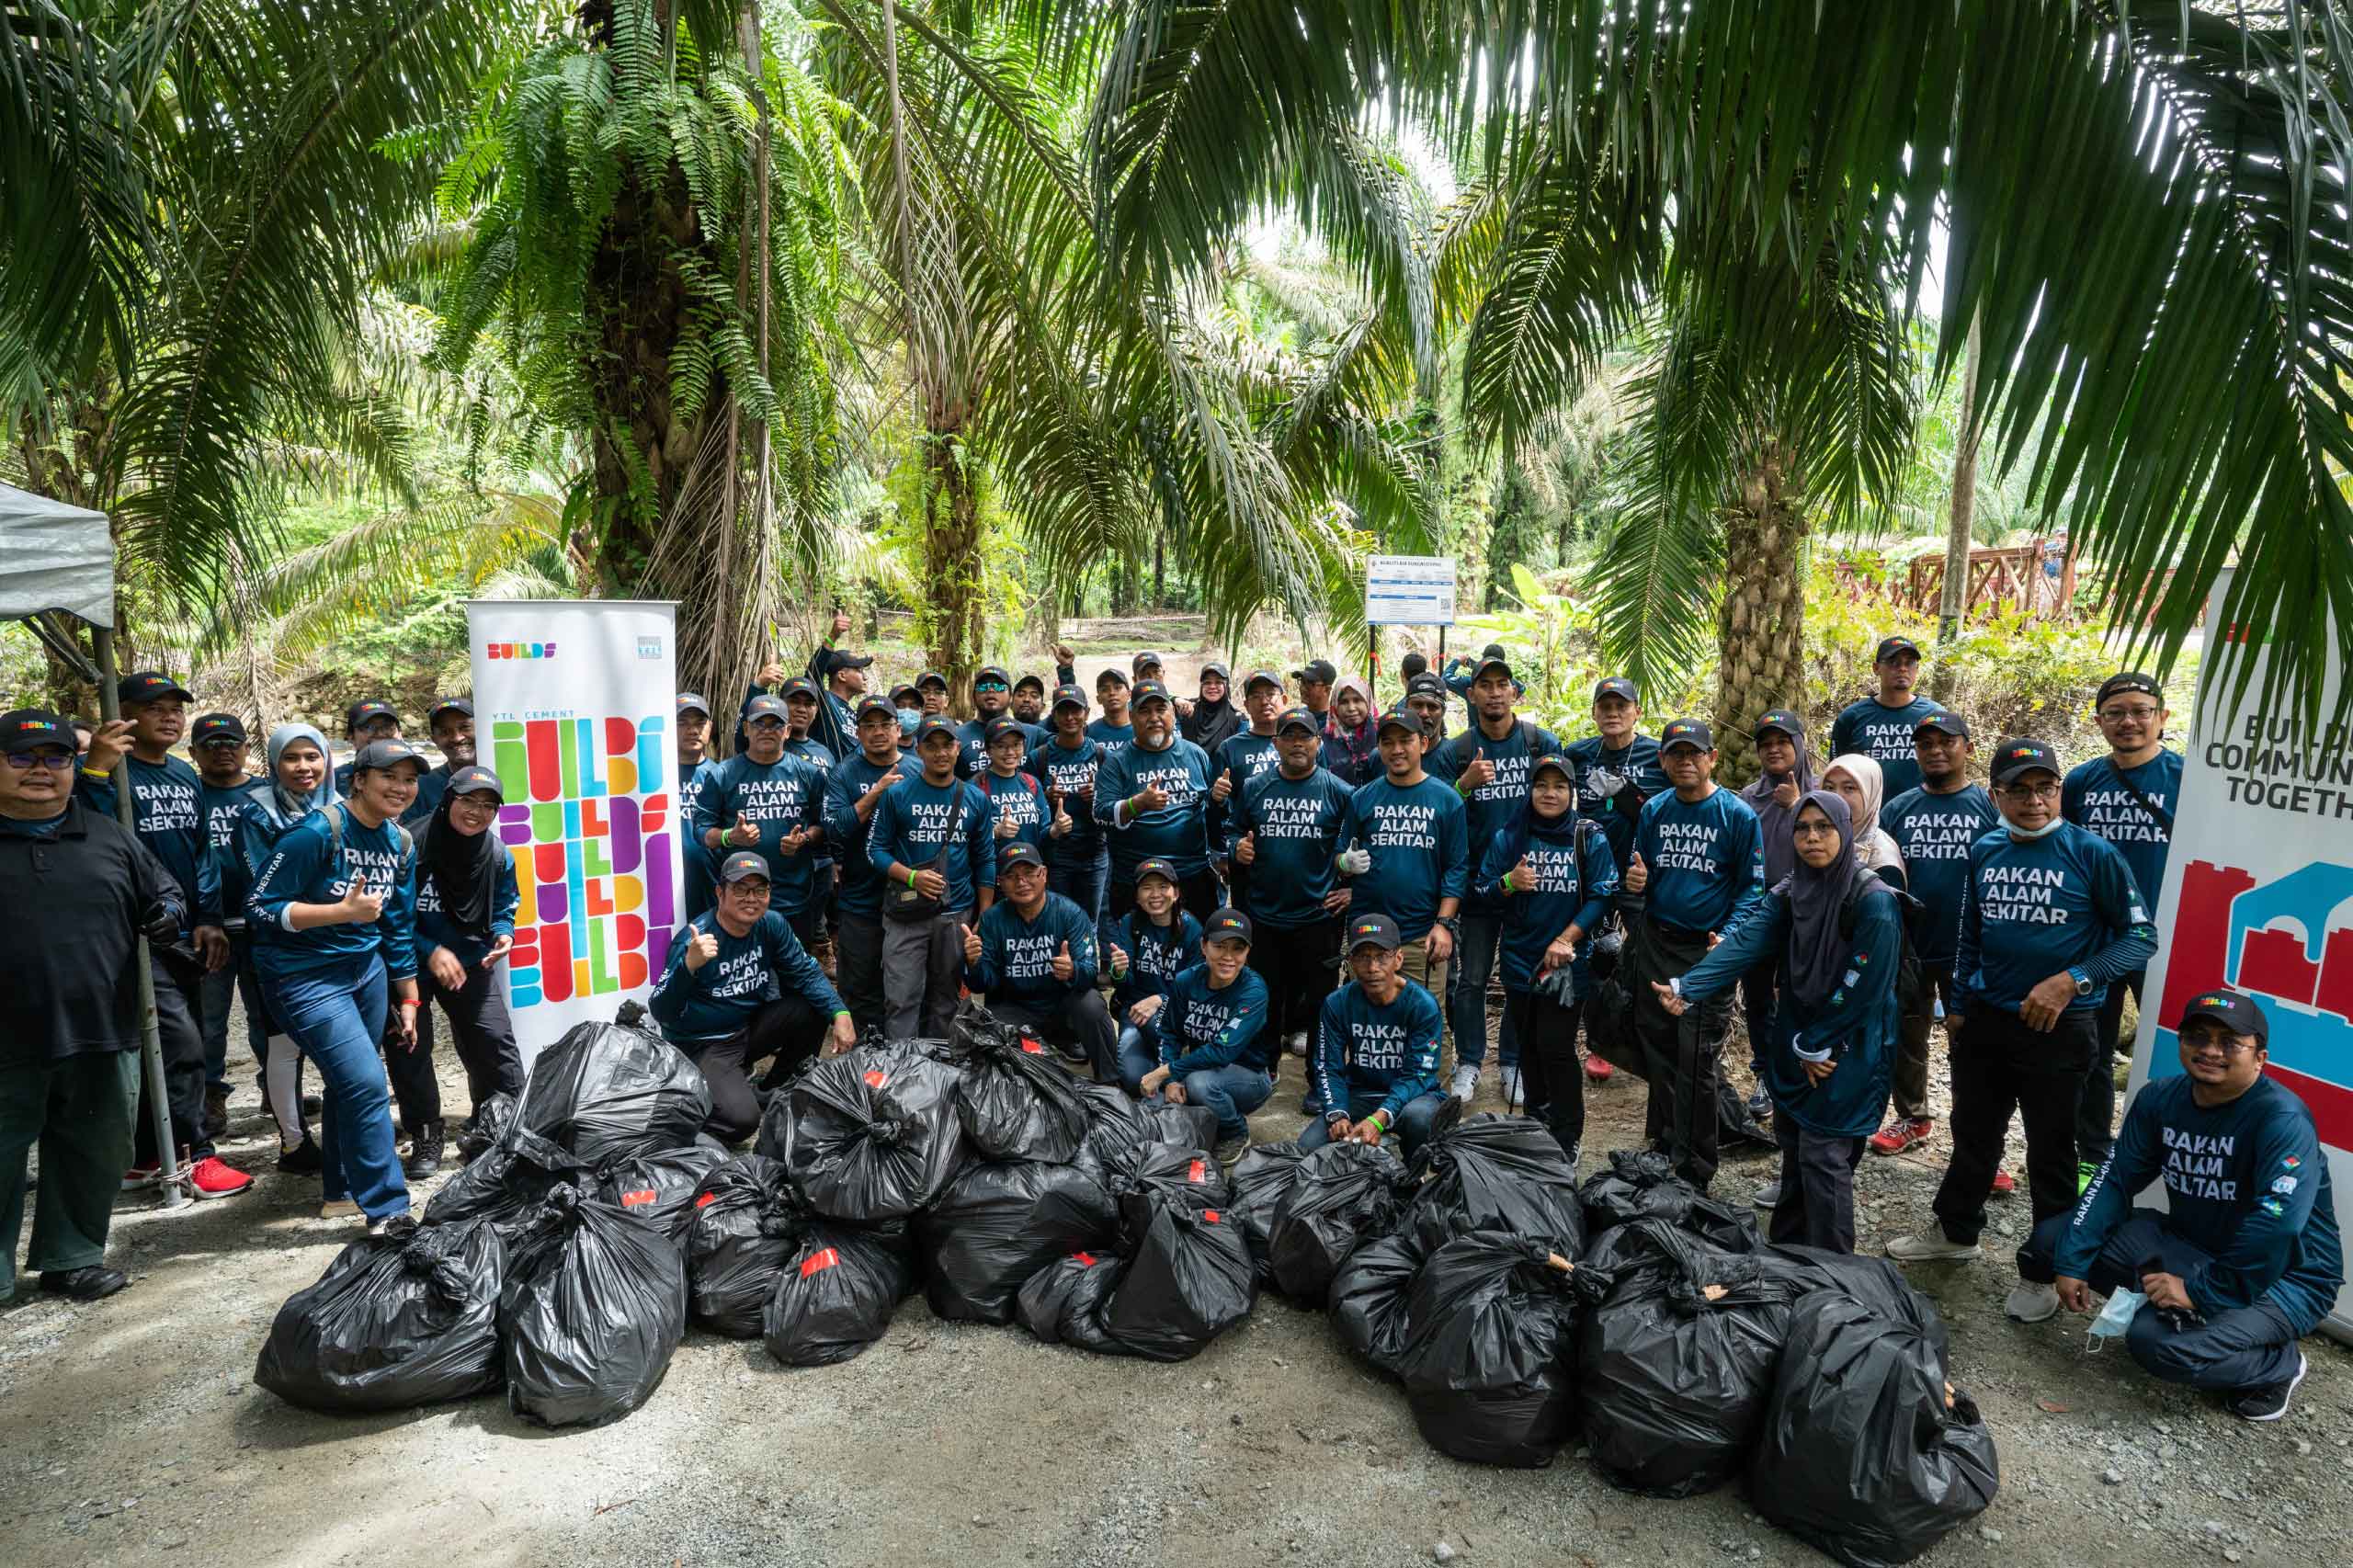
<point x="1377" y="1048"/>
<point x="739" y="988"/>
<point x="1032" y="956"/>
<point x="2245" y="1259"/>
<point x="1208" y="1043"/>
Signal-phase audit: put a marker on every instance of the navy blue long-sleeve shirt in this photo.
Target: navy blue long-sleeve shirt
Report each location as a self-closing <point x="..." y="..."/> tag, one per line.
<point x="1201" y="1027"/>
<point x="1018" y="956"/>
<point x="777" y="797"/>
<point x="168" y="815"/>
<point x="2247" y="1183"/>
<point x="1420" y="837"/>
<point x="1706" y="859"/>
<point x="1295" y="823"/>
<point x="220" y="809"/>
<point x="2033" y="907"/>
<point x="434" y="930"/>
<point x="696" y="1006"/>
<point x="1071" y="769"/>
<point x="1365" y="1049"/>
<point x="1020" y="799"/>
<point x="1569" y="888"/>
<point x="944" y="828"/>
<point x="1883" y="735"/>
<point x="1637" y="763"/>
<point x="973" y="745"/>
<point x="845" y="835"/>
<point x="303" y="868"/>
<point x="2091" y="797"/>
<point x="1178" y="832"/>
<point x="1156" y="954"/>
<point x="1933" y="834"/>
<point x="1496" y="805"/>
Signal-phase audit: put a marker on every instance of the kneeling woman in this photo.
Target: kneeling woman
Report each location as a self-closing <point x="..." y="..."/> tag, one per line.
<point x="1835" y="930"/>
<point x="332" y="912"/>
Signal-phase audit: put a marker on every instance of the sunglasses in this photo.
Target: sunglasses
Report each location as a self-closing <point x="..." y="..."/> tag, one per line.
<point x="55" y="760"/>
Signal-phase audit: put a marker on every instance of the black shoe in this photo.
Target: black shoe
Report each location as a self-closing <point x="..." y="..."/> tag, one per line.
<point x="93" y="1283"/>
<point x="303" y="1159"/>
<point x="2268" y="1402"/>
<point x="392" y="1227"/>
<point x="216" y="1109"/>
<point x="313" y="1104"/>
<point x="424" y="1153"/>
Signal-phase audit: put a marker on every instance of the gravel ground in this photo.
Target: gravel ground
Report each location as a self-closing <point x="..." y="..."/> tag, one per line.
<point x="135" y="1435"/>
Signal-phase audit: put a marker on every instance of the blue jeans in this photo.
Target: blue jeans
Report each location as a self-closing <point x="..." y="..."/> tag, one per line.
<point x="1412" y="1123"/>
<point x="337" y="1017"/>
<point x="238" y="980"/>
<point x="1082" y="883"/>
<point x="1474" y="960"/>
<point x="1138" y="1056"/>
<point x="1232" y="1091"/>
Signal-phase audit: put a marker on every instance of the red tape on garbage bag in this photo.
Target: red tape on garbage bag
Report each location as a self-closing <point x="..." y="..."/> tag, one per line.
<point x="822" y="1258"/>
<point x="875" y="1077"/>
<point x="639" y="1199"/>
<point x="1197" y="1171"/>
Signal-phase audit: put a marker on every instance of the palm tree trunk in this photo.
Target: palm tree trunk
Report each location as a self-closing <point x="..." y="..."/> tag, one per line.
<point x="952" y="549"/>
<point x="1962" y="521"/>
<point x="1761" y="629"/>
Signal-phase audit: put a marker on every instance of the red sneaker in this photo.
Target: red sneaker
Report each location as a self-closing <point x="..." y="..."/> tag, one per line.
<point x="1901" y="1134"/>
<point x="2004" y="1185"/>
<point x="209" y="1177"/>
<point x="146" y="1176"/>
<point x="1597" y="1069"/>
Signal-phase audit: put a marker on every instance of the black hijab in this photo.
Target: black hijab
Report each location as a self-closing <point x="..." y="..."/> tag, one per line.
<point x="464" y="868"/>
<point x="1817" y="896"/>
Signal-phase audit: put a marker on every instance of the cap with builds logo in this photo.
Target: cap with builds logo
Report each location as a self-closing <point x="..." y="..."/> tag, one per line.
<point x="1149" y="691"/>
<point x="1889" y="647"/>
<point x="1944" y="720"/>
<point x="1780" y="721"/>
<point x="931" y="677"/>
<point x="1399" y="718"/>
<point x="217" y="729"/>
<point x="1374" y="931"/>
<point x="743" y="866"/>
<point x="1069" y="696"/>
<point x="1266" y="678"/>
<point x="2128" y="680"/>
<point x="1553" y="762"/>
<point x="799" y="686"/>
<point x="692" y="702"/>
<point x="361" y="712"/>
<point x="28" y="729"/>
<point x="1616" y="686"/>
<point x="1005" y="724"/>
<point x="764" y="707"/>
<point x="991" y="675"/>
<point x="1227" y="925"/>
<point x="1297" y="718"/>
<point x="377" y="755"/>
<point x="2233" y="1011"/>
<point x="2021" y="755"/>
<point x="1156" y="867"/>
<point x="475" y="779"/>
<point x="1017" y="852"/>
<point x="1692" y="733"/>
<point x="932" y="724"/>
<point x="448" y="705"/>
<point x="870" y="705"/>
<point x="150" y="685"/>
<point x="1147" y="659"/>
<point x="1316" y="672"/>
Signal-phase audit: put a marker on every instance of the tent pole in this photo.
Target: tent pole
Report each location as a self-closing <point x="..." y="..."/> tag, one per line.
<point x="151" y="1039"/>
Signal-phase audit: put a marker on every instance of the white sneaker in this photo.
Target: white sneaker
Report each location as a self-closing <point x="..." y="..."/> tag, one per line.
<point x="1511" y="1088"/>
<point x="2030" y="1302"/>
<point x="1297" y="1044"/>
<point x="1931" y="1246"/>
<point x="1466" y="1083"/>
<point x="1768" y="1195"/>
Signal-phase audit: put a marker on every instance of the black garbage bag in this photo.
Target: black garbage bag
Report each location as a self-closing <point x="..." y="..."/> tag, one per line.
<point x="998" y="1223"/>
<point x="486" y="1126"/>
<point x="1015" y="1101"/>
<point x="1064" y="1302"/>
<point x="1737" y="1129"/>
<point x="507" y="1182"/>
<point x="1877" y="1283"/>
<point x="1188" y="1282"/>
<point x="1369" y="1296"/>
<point x="660" y="1189"/>
<point x="1260" y="1180"/>
<point x="1609" y="1006"/>
<point x="617" y="1089"/>
<point x="871" y="1135"/>
<point x="1165" y="1173"/>
<point x="1640" y="1183"/>
<point x="393" y="1324"/>
<point x="836" y="1296"/>
<point x="1499" y="1173"/>
<point x="1675" y="1361"/>
<point x="1487" y="1358"/>
<point x="1863" y="1452"/>
<point x="1344" y="1192"/>
<point x="1192" y="1125"/>
<point x="747" y="1224"/>
<point x="590" y="1314"/>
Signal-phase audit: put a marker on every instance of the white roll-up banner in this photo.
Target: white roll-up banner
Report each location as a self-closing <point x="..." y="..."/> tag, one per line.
<point x="573" y="708"/>
<point x="2259" y="896"/>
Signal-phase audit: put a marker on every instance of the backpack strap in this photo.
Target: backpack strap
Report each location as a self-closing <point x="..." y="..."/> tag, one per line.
<point x="2163" y="817"/>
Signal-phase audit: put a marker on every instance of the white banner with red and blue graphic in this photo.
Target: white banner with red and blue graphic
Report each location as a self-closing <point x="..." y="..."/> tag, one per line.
<point x="574" y="706"/>
<point x="2259" y="896"/>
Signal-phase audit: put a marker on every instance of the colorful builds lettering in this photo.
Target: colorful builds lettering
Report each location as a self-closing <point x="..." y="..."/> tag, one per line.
<point x="519" y="650"/>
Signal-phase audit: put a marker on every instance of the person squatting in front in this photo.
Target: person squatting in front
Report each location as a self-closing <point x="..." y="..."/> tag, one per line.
<point x="1151" y="946"/>
<point x="1377" y="1047"/>
<point x="1032" y="957"/>
<point x="738" y="989"/>
<point x="2245" y="1259"/>
<point x="466" y="900"/>
<point x="1835" y="932"/>
<point x="333" y="917"/>
<point x="1206" y="1042"/>
<point x="1550" y="871"/>
<point x="1283" y="827"/>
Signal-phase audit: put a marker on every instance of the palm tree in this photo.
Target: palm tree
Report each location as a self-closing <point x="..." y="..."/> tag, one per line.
<point x="2141" y="212"/>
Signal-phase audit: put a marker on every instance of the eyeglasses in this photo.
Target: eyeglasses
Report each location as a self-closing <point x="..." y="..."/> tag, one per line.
<point x="1813" y="830"/>
<point x="55" y="760"/>
<point x="747" y="889"/>
<point x="2223" y="1045"/>
<point x="2142" y="711"/>
<point x="2032" y="791"/>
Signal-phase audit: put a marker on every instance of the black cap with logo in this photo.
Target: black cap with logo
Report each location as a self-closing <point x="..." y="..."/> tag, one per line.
<point x="30" y="729"/>
<point x="1316" y="672"/>
<point x="1495" y="661"/>
<point x="448" y="705"/>
<point x="217" y="729"/>
<point x="1889" y="647"/>
<point x="2021" y="755"/>
<point x="1296" y="718"/>
<point x="2128" y="680"/>
<point x="1616" y="686"/>
<point x="1069" y="696"/>
<point x="764" y="707"/>
<point x="361" y="712"/>
<point x="931" y="677"/>
<point x="1945" y="721"/>
<point x="1400" y="718"/>
<point x="1005" y="724"/>
<point x="799" y="686"/>
<point x="1154" y="866"/>
<point x="1780" y="721"/>
<point x="2233" y="1011"/>
<point x="1374" y="931"/>
<point x="1692" y="733"/>
<point x="932" y="724"/>
<point x="833" y="659"/>
<point x="475" y="779"/>
<point x="742" y="867"/>
<point x="1038" y="681"/>
<point x="1226" y="924"/>
<point x="1267" y="677"/>
<point x="1017" y="852"/>
<point x="870" y="705"/>
<point x="692" y="702"/>
<point x="377" y="755"/>
<point x="991" y="675"/>
<point x="150" y="686"/>
<point x="1150" y="691"/>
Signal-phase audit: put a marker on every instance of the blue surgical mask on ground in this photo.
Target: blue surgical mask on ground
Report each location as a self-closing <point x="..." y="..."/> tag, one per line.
<point x="2115" y="1316"/>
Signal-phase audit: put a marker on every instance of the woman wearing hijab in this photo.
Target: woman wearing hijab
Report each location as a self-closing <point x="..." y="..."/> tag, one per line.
<point x="301" y="780"/>
<point x="1553" y="873"/>
<point x="466" y="900"/>
<point x="1829" y="1063"/>
<point x="1785" y="773"/>
<point x="1214" y="718"/>
<point x="1857" y="779"/>
<point x="1351" y="741"/>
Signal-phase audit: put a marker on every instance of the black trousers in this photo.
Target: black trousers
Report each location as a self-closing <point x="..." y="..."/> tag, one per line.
<point x="2096" y="1107"/>
<point x="1680" y="1056"/>
<point x="179" y="1007"/>
<point x="857" y="962"/>
<point x="2001" y="1067"/>
<point x="1549" y="1073"/>
<point x="1198" y="894"/>
<point x="1298" y="963"/>
<point x="479" y="1027"/>
<point x="1912" y="1055"/>
<point x="1079" y="1016"/>
<point x="416" y="1089"/>
<point x="789" y="1029"/>
<point x="1817" y="1205"/>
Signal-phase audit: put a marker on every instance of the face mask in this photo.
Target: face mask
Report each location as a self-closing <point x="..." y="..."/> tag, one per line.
<point x="2028" y="834"/>
<point x="2115" y="1317"/>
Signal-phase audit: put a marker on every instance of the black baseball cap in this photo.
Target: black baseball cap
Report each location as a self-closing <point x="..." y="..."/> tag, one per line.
<point x="1227" y="925"/>
<point x="1782" y="720"/>
<point x="931" y="677"/>
<point x="475" y="779"/>
<point x="1374" y="931"/>
<point x="742" y="867"/>
<point x="448" y="705"/>
<point x="1616" y="686"/>
<point x="1017" y="852"/>
<point x="833" y="659"/>
<point x="1110" y="676"/>
<point x="1069" y="696"/>
<point x="2235" y="1011"/>
<point x="1890" y="646"/>
<point x="1556" y="763"/>
<point x="1147" y="659"/>
<point x="799" y="686"/>
<point x="904" y="689"/>
<point x="872" y="704"/>
<point x="1150" y="691"/>
<point x="1296" y="718"/>
<point x="1493" y="660"/>
<point x="991" y="672"/>
<point x="932" y="724"/>
<point x="1267" y="676"/>
<point x="1693" y="732"/>
<point x="1156" y="867"/>
<point x="1320" y="671"/>
<point x="214" y="728"/>
<point x="764" y="707"/>
<point x="1220" y="671"/>
<point x="1004" y="724"/>
<point x="1399" y="717"/>
<point x="692" y="702"/>
<point x="1425" y="683"/>
<point x="381" y="754"/>
<point x="150" y="685"/>
<point x="1946" y="721"/>
<point x="1038" y="681"/>
<point x="360" y="712"/>
<point x="2020" y="754"/>
<point x="28" y="729"/>
<point x="2129" y="680"/>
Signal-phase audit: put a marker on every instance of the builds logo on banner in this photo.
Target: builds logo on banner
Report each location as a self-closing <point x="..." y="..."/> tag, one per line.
<point x="584" y="743"/>
<point x="2258" y="896"/>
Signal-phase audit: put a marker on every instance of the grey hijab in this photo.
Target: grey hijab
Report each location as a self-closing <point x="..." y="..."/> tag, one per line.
<point x="1773" y="820"/>
<point x="282" y="807"/>
<point x="1817" y="952"/>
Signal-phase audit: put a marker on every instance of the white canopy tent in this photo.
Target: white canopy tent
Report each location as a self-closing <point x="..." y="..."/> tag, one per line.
<point x="56" y="562"/>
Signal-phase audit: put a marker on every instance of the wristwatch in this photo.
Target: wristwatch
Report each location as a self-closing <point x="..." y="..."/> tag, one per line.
<point x="2083" y="982"/>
